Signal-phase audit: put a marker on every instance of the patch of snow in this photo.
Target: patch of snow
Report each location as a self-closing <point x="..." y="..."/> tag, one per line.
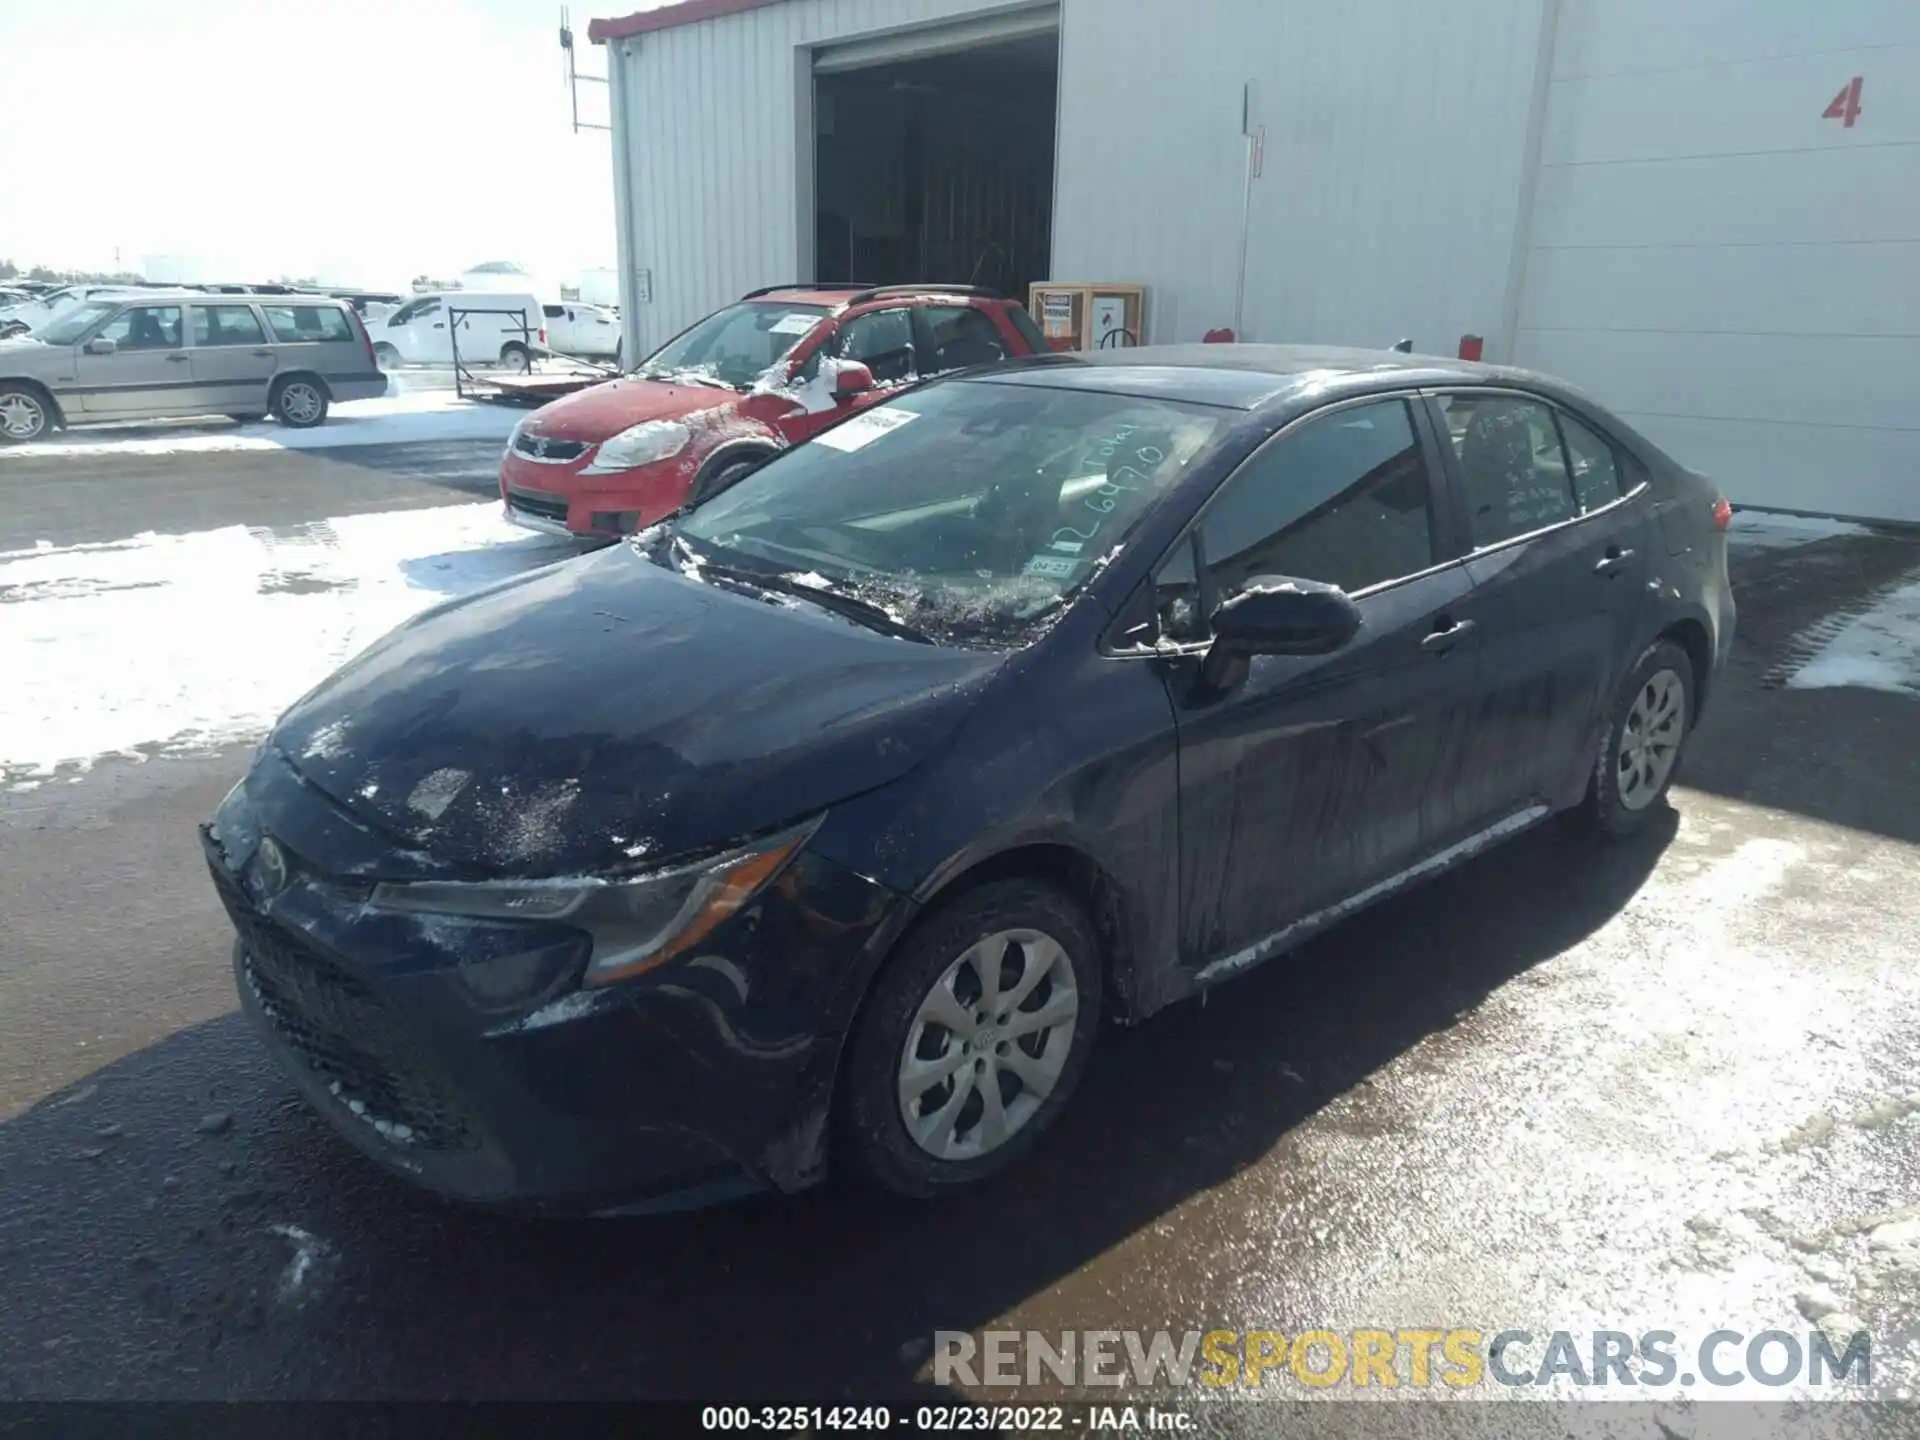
<point x="1879" y="650"/>
<point x="185" y="642"/>
<point x="813" y="580"/>
<point x="390" y="420"/>
<point x="310" y="1254"/>
<point x="815" y="396"/>
<point x="436" y="792"/>
<point x="568" y="1007"/>
<point x="1759" y="530"/>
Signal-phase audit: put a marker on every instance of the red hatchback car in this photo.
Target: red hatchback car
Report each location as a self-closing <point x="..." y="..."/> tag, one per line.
<point x="735" y="389"/>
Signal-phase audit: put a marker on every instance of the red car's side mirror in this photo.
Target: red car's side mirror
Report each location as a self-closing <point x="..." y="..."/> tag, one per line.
<point x="851" y="378"/>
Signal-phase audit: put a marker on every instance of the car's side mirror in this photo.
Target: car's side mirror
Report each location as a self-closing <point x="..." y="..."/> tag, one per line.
<point x="1275" y="615"/>
<point x="101" y="345"/>
<point x="851" y="378"/>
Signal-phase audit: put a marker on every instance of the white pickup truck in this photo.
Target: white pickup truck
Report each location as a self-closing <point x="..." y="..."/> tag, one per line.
<point x="590" y="331"/>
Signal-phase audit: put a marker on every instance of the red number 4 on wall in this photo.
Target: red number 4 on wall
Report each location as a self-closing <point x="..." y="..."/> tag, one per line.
<point x="1846" y="105"/>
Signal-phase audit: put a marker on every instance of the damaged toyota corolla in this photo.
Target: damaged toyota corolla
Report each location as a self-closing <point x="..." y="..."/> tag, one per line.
<point x="822" y="824"/>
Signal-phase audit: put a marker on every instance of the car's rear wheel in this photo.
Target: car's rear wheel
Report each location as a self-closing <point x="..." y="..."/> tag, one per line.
<point x="24" y="414"/>
<point x="972" y="1039"/>
<point x="516" y="358"/>
<point x="1646" y="733"/>
<point x="386" y="356"/>
<point x="300" y="402"/>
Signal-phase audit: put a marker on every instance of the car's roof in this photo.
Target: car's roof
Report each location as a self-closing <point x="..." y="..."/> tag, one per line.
<point x="1244" y="377"/>
<point x="216" y="297"/>
<point x="822" y="299"/>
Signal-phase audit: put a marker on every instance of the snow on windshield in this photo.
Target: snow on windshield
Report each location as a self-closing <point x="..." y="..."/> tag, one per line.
<point x="736" y="346"/>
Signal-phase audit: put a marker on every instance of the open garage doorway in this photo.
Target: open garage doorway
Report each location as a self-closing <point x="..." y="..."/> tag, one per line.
<point x="934" y="155"/>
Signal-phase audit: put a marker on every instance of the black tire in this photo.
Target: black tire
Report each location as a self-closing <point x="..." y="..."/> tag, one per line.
<point x="1620" y="801"/>
<point x="386" y="356"/>
<point x="872" y="1128"/>
<point x="516" y="358"/>
<point x="26" y="414"/>
<point x="301" y="401"/>
<point x="721" y="476"/>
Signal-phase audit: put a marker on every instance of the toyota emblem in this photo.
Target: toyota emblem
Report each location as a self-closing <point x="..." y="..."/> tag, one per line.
<point x="272" y="863"/>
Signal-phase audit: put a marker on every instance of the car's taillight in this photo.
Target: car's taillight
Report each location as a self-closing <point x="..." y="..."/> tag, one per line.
<point x="366" y="339"/>
<point x="543" y="335"/>
<point x="1722" y="513"/>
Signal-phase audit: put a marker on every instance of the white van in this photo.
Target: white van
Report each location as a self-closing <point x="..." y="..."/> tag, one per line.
<point x="495" y="329"/>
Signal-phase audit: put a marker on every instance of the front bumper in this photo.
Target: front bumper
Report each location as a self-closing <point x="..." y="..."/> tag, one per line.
<point x="559" y="499"/>
<point x="461" y="1054"/>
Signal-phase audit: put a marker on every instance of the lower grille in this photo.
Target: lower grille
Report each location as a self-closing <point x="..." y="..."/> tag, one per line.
<point x="343" y="1033"/>
<point x="547" y="507"/>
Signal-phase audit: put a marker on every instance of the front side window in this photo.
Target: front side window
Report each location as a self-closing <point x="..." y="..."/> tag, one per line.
<point x="954" y="336"/>
<point x="1513" y="472"/>
<point x="1342" y="499"/>
<point x="413" y="310"/>
<point x="968" y="509"/>
<point x="734" y="347"/>
<point x="226" y="325"/>
<point x="145" y="327"/>
<point x="307" y="324"/>
<point x="882" y="341"/>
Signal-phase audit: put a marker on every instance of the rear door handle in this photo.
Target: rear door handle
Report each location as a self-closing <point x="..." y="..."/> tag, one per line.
<point x="1615" y="561"/>
<point x="176" y="359"/>
<point x="1445" y="637"/>
<point x="263" y="354"/>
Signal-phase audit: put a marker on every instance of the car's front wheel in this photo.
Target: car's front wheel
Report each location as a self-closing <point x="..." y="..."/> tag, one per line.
<point x="24" y="414"/>
<point x="973" y="1038"/>
<point x="1645" y="734"/>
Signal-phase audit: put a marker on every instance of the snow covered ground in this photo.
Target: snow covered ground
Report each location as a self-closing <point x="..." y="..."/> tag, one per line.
<point x="1879" y="649"/>
<point x="411" y="415"/>
<point x="179" y="643"/>
<point x="1759" y="530"/>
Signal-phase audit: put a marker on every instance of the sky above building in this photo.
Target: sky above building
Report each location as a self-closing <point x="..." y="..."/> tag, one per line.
<point x="361" y="141"/>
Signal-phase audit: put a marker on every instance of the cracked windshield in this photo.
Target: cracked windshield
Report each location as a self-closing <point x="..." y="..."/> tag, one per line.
<point x="970" y="509"/>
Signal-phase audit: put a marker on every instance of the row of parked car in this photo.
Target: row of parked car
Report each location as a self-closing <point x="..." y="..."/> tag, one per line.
<point x="106" y="353"/>
<point x="945" y="701"/>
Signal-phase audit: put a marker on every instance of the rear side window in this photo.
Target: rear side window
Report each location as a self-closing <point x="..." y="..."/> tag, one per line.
<point x="1029" y="332"/>
<point x="1596" y="470"/>
<point x="954" y="336"/>
<point x="552" y="312"/>
<point x="226" y="325"/>
<point x="1343" y="500"/>
<point x="1512" y="470"/>
<point x="292" y="324"/>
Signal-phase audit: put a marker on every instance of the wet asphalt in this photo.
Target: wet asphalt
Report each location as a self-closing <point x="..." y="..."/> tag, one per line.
<point x="1669" y="1084"/>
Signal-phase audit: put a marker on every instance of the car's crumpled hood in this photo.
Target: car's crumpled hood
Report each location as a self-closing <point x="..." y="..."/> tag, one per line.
<point x="603" y="713"/>
<point x="602" y="411"/>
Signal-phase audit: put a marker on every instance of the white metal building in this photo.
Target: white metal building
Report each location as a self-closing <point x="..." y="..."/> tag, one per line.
<point x="1706" y="212"/>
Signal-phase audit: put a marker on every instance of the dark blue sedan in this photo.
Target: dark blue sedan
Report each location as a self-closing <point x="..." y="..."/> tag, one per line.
<point x="822" y="824"/>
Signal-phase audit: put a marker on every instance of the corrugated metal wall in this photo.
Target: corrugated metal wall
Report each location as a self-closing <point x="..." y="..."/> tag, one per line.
<point x="1396" y="139"/>
<point x="713" y="113"/>
<point x="1396" y="146"/>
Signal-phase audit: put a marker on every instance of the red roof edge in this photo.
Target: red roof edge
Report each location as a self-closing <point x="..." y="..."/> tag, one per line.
<point x="666" y="17"/>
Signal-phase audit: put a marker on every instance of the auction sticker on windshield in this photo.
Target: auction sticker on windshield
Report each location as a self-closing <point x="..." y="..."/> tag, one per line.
<point x="863" y="429"/>
<point x="797" y="323"/>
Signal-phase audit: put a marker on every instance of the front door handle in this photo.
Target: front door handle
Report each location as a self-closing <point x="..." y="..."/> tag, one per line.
<point x="176" y="359"/>
<point x="263" y="354"/>
<point x="1615" y="561"/>
<point x="1446" y="634"/>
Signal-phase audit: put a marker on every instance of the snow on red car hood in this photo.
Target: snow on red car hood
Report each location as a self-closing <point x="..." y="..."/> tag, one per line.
<point x="605" y="410"/>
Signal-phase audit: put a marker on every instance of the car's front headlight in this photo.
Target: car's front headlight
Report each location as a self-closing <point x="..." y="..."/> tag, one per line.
<point x="642" y="444"/>
<point x="636" y="922"/>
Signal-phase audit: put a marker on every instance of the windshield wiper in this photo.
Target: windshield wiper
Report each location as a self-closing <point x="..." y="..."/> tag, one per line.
<point x="686" y="377"/>
<point x="851" y="607"/>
